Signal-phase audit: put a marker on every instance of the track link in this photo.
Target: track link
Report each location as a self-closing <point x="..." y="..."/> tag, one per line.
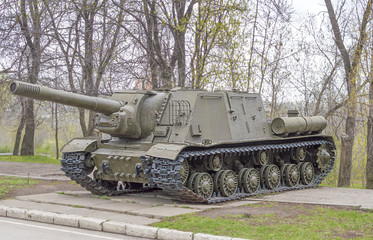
<point x="73" y="166"/>
<point x="165" y="173"/>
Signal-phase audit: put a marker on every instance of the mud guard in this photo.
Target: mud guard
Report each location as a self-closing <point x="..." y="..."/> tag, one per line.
<point x="80" y="145"/>
<point x="168" y="151"/>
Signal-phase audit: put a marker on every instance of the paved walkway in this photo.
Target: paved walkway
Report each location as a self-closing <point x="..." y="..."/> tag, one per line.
<point x="34" y="170"/>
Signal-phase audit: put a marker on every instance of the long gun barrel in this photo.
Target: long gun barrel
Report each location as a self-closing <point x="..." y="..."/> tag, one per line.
<point x="101" y="105"/>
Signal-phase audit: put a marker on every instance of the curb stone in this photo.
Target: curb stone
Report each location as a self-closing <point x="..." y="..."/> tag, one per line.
<point x="114" y="227"/>
<point x="17" y="213"/>
<point x="170" y="234"/>
<point x="3" y="211"/>
<point x="91" y="223"/>
<point x="105" y="225"/>
<point x="41" y="216"/>
<point x="202" y="236"/>
<point x="67" y="220"/>
<point x="141" y="231"/>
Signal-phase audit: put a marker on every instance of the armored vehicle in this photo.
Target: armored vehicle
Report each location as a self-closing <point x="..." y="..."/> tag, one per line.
<point x="199" y="146"/>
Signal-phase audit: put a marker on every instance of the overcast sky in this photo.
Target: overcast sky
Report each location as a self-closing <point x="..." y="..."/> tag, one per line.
<point x="310" y="6"/>
<point x="304" y="7"/>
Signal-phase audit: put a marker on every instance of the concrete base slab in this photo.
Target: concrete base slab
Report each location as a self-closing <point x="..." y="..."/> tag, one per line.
<point x="83" y="200"/>
<point x="146" y="205"/>
<point x="148" y="198"/>
<point x="163" y="211"/>
<point x="361" y="198"/>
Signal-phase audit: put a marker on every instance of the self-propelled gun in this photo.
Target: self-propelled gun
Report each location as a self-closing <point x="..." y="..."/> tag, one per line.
<point x="199" y="146"/>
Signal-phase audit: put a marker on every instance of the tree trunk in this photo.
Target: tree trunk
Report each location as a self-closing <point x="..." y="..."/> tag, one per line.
<point x="32" y="34"/>
<point x="83" y="125"/>
<point x="28" y="138"/>
<point x="56" y="130"/>
<point x="20" y="128"/>
<point x="150" y="44"/>
<point x="181" y="60"/>
<point x="91" y="89"/>
<point x="347" y="144"/>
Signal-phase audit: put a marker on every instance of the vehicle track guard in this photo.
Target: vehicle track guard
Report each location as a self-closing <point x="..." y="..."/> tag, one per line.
<point x="80" y="145"/>
<point x="168" y="151"/>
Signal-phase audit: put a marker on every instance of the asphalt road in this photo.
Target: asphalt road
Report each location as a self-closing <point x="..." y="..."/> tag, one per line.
<point x="15" y="229"/>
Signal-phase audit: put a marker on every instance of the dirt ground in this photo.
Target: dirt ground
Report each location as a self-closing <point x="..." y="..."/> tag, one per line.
<point x="45" y="187"/>
<point x="281" y="210"/>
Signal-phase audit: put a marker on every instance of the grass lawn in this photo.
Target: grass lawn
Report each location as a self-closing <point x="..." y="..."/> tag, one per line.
<point x="35" y="159"/>
<point x="313" y="222"/>
<point x="8" y="184"/>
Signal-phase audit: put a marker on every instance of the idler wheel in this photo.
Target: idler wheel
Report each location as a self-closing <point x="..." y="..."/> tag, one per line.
<point x="228" y="183"/>
<point x="251" y="180"/>
<point x="292" y="175"/>
<point x="323" y="157"/>
<point x="272" y="177"/>
<point x="191" y="181"/>
<point x="307" y="173"/>
<point x="89" y="164"/>
<point x="184" y="172"/>
<point x="261" y="158"/>
<point x="215" y="162"/>
<point x="204" y="185"/>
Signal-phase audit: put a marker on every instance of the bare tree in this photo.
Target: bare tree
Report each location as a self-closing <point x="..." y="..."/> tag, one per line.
<point x="32" y="33"/>
<point x="89" y="49"/>
<point x="213" y="35"/>
<point x="351" y="72"/>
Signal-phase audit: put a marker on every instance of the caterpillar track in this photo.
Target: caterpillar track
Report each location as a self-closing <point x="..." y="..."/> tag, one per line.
<point x="73" y="166"/>
<point x="165" y="173"/>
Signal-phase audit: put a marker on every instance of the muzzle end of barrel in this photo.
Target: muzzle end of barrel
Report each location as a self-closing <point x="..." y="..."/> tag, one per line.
<point x="13" y="87"/>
